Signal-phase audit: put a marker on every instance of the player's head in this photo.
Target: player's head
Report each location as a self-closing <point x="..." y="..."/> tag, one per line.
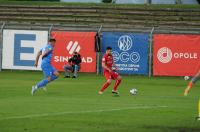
<point x="52" y="41"/>
<point x="108" y="50"/>
<point x="75" y="53"/>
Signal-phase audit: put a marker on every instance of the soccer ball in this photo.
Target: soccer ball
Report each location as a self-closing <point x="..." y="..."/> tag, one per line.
<point x="186" y="78"/>
<point x="133" y="91"/>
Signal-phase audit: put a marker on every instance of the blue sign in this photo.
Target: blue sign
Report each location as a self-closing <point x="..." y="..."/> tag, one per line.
<point x="129" y="50"/>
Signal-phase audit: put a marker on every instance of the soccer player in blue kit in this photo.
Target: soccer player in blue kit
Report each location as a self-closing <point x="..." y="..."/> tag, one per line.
<point x="49" y="71"/>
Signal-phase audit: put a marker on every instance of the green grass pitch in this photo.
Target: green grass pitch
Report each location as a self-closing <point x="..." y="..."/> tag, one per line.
<point x="73" y="105"/>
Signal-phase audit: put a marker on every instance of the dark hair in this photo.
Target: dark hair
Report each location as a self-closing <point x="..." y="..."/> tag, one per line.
<point x="52" y="40"/>
<point x="108" y="48"/>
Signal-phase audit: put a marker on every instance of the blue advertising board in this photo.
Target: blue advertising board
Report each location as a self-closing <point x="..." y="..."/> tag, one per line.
<point x="129" y="50"/>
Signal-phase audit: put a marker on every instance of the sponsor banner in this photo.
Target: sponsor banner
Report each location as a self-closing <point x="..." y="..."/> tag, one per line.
<point x="20" y="48"/>
<point x="69" y="42"/>
<point x="176" y="55"/>
<point x="130" y="51"/>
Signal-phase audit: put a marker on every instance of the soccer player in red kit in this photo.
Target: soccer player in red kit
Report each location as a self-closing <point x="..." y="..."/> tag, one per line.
<point x="191" y="83"/>
<point x="108" y="64"/>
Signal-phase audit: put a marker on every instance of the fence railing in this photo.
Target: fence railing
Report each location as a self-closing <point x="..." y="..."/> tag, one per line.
<point x="52" y="27"/>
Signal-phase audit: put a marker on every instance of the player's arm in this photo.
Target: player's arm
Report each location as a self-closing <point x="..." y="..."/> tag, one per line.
<point x="105" y="67"/>
<point x="37" y="58"/>
<point x="115" y="67"/>
<point x="79" y="58"/>
<point x="70" y="61"/>
<point x="46" y="53"/>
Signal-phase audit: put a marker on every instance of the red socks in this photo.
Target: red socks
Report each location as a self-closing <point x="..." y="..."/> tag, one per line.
<point x="116" y="84"/>
<point x="105" y="86"/>
<point x="190" y="85"/>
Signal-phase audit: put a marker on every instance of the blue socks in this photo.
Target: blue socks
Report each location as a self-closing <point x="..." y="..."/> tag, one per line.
<point x="45" y="81"/>
<point x="53" y="77"/>
<point x="42" y="83"/>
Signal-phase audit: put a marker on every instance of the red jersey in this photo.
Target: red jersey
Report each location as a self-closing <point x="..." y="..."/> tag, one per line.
<point x="108" y="60"/>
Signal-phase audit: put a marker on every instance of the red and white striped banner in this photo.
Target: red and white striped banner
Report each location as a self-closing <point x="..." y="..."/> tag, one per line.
<point x="69" y="42"/>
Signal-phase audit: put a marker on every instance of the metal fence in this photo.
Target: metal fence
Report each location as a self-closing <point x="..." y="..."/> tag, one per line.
<point x="99" y="29"/>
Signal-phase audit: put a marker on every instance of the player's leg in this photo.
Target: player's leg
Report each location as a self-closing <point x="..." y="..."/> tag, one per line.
<point x="75" y="71"/>
<point x="50" y="73"/>
<point x="53" y="77"/>
<point x="191" y="83"/>
<point x="107" y="83"/>
<point x="54" y="74"/>
<point x="44" y="82"/>
<point x="118" y="79"/>
<point x="67" y="70"/>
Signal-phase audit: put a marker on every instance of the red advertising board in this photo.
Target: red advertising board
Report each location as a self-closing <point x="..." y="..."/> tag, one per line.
<point x="176" y="55"/>
<point x="69" y="42"/>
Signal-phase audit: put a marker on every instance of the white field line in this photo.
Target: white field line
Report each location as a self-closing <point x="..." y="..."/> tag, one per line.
<point x="81" y="112"/>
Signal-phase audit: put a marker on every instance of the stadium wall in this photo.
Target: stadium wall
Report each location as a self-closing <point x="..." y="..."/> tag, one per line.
<point x="171" y="52"/>
<point x="117" y="19"/>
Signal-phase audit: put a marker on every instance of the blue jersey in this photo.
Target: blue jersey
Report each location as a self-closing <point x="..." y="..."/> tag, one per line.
<point x="46" y="60"/>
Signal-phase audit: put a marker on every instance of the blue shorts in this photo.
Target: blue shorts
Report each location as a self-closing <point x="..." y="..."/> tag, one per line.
<point x="48" y="70"/>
